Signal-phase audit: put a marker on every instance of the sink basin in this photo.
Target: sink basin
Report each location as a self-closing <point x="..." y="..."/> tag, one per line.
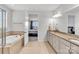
<point x="75" y="41"/>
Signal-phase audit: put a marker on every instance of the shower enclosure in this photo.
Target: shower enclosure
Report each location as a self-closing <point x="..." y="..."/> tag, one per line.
<point x="2" y="30"/>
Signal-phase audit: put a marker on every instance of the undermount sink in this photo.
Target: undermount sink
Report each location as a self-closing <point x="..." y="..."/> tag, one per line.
<point x="75" y="41"/>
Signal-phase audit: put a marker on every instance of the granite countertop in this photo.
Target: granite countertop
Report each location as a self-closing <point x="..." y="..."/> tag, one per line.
<point x="66" y="36"/>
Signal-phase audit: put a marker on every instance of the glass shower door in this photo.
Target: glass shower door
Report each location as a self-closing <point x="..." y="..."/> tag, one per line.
<point x="2" y="30"/>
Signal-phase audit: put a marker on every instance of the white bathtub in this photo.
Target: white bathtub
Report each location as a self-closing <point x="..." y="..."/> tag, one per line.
<point x="11" y="39"/>
<point x="14" y="43"/>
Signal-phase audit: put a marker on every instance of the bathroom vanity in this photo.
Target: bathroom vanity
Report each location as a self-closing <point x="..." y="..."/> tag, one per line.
<point x="63" y="43"/>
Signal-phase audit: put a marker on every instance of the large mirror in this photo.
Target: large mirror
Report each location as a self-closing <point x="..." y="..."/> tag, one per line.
<point x="68" y="20"/>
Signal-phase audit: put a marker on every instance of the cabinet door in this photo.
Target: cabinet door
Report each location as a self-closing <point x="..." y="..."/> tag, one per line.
<point x="48" y="36"/>
<point x="56" y="43"/>
<point x="64" y="46"/>
<point x="74" y="49"/>
<point x="50" y="39"/>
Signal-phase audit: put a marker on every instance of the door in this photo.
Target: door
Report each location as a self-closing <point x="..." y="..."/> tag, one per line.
<point x="33" y="30"/>
<point x="71" y="24"/>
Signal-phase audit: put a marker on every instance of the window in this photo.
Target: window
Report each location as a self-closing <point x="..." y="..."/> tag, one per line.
<point x="34" y="25"/>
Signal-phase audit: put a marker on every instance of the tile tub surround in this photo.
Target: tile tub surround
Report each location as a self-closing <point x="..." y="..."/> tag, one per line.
<point x="14" y="48"/>
<point x="15" y="33"/>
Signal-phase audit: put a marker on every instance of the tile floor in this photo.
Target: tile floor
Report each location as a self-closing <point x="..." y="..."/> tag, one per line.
<point x="36" y="47"/>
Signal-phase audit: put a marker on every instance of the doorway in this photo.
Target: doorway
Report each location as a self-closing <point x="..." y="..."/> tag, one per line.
<point x="33" y="30"/>
<point x="71" y="24"/>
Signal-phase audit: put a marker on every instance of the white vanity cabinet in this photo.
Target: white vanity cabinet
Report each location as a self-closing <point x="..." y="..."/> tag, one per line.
<point x="61" y="45"/>
<point x="54" y="41"/>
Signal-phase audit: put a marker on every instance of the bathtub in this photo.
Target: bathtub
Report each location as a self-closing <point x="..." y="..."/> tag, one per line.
<point x="13" y="44"/>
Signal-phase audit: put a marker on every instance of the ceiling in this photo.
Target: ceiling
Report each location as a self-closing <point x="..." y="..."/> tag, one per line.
<point x="33" y="7"/>
<point x="75" y="10"/>
<point x="44" y="7"/>
<point x="64" y="7"/>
